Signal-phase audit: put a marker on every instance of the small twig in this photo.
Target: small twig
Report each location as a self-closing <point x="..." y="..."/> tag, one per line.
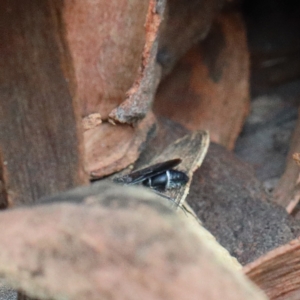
<point x="293" y="204"/>
<point x="296" y="157"/>
<point x="295" y="200"/>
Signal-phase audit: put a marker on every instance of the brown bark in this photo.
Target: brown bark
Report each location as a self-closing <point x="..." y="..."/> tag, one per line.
<point x="140" y="96"/>
<point x="112" y="242"/>
<point x="209" y="88"/>
<point x="61" y="52"/>
<point x="68" y="60"/>
<point x="277" y="272"/>
<point x="40" y="138"/>
<point x="111" y="148"/>
<point x="117" y="76"/>
<point x="184" y="25"/>
<point x="106" y="49"/>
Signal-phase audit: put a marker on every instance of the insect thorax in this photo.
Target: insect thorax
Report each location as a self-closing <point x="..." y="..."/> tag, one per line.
<point x="167" y="180"/>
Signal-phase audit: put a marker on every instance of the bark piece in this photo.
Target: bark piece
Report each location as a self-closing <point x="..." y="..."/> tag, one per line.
<point x="114" y="45"/>
<point x="277" y="272"/>
<point x="119" y="243"/>
<point x="209" y="87"/>
<point x="167" y="133"/>
<point x="106" y="48"/>
<point x="111" y="148"/>
<point x="183" y="26"/>
<point x="141" y="94"/>
<point x="40" y="137"/>
<point x="287" y="189"/>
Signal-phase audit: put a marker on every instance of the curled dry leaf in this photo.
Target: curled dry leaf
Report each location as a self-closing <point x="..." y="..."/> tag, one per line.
<point x="110" y="241"/>
<point x="40" y="133"/>
<point x="234" y="207"/>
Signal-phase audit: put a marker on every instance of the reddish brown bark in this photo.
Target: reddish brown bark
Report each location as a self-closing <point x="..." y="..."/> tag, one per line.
<point x="209" y="88"/>
<point x="140" y="96"/>
<point x="40" y="138"/>
<point x="66" y="59"/>
<point x="110" y="148"/>
<point x="114" y="61"/>
<point x="183" y="26"/>
<point x="116" y="243"/>
<point x="106" y="49"/>
<point x="277" y="272"/>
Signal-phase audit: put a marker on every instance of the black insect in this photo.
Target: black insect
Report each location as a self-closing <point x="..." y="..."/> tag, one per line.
<point x="160" y="176"/>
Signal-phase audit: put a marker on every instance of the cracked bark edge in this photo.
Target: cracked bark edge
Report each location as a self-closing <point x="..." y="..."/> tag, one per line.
<point x="140" y="96"/>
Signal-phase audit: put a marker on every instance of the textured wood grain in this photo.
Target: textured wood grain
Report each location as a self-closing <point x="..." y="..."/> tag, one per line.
<point x="277" y="272"/>
<point x="40" y="141"/>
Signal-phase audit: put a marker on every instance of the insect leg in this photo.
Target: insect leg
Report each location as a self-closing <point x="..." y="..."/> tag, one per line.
<point x="182" y="207"/>
<point x="164" y="196"/>
<point x="170" y="199"/>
